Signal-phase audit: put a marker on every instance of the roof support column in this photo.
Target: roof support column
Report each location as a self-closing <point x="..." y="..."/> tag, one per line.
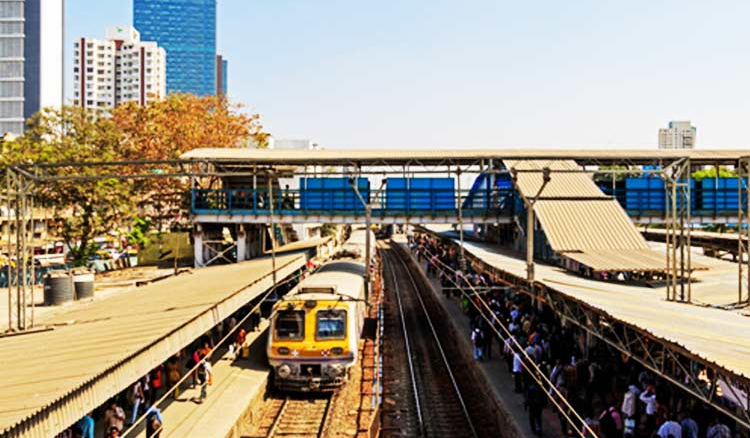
<point x="529" y="203"/>
<point x="743" y="232"/>
<point x="8" y="235"/>
<point x="461" y="257"/>
<point x="198" y="246"/>
<point x="273" y="228"/>
<point x="529" y="241"/>
<point x="677" y="180"/>
<point x="367" y="204"/>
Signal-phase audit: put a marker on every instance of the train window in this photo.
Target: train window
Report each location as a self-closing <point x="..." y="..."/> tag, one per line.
<point x="331" y="324"/>
<point x="290" y="324"/>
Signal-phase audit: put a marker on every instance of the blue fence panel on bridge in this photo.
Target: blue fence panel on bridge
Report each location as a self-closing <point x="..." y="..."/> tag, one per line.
<point x="648" y="194"/>
<point x="332" y="194"/>
<point x="720" y="194"/>
<point x="420" y="194"/>
<point x="644" y="194"/>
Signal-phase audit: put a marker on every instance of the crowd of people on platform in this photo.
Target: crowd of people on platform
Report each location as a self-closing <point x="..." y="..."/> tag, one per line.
<point x="140" y="399"/>
<point x="614" y="396"/>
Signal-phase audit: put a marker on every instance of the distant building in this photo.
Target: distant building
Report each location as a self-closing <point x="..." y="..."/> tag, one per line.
<point x="187" y="30"/>
<point x="31" y="59"/>
<point x="11" y="66"/>
<point x="44" y="54"/>
<point x="118" y="69"/>
<point x="291" y="143"/>
<point x="221" y="75"/>
<point x="679" y="135"/>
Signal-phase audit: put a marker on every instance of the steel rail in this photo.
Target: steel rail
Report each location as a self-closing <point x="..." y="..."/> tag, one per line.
<point x="408" y="349"/>
<point x="276" y="428"/>
<point x="534" y="371"/>
<point x="277" y="419"/>
<point x="435" y="336"/>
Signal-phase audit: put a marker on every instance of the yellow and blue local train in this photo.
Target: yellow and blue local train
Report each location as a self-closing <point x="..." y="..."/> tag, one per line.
<point x="315" y="329"/>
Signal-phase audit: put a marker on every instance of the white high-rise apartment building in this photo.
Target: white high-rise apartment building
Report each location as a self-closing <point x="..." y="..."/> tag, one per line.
<point x="119" y="69"/>
<point x="679" y="135"/>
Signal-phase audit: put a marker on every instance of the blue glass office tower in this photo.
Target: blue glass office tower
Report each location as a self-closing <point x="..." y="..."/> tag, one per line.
<point x="187" y="30"/>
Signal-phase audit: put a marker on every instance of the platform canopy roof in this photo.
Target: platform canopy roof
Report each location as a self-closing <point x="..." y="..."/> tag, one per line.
<point x="457" y="155"/>
<point x="95" y="350"/>
<point x="582" y="223"/>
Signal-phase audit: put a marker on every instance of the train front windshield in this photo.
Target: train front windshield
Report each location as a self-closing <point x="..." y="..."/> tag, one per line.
<point x="290" y="324"/>
<point x="331" y="324"/>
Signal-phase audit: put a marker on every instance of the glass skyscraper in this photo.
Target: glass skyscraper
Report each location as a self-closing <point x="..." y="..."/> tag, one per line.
<point x="187" y="30"/>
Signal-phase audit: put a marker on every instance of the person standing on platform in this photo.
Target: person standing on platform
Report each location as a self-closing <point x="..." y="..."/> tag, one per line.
<point x="173" y="375"/>
<point x="487" y="336"/>
<point x="137" y="398"/>
<point x="204" y="377"/>
<point x="157" y="376"/>
<point x="477" y="342"/>
<point x="536" y="399"/>
<point x="195" y="359"/>
<point x="610" y="422"/>
<point x="114" y="416"/>
<point x="670" y="429"/>
<point x="86" y="425"/>
<point x="718" y="430"/>
<point x="518" y="372"/>
<point x="649" y="398"/>
<point x="154" y="422"/>
<point x="689" y="426"/>
<point x="239" y="340"/>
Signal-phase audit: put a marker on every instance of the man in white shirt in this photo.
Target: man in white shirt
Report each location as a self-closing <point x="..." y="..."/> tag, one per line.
<point x="517" y="372"/>
<point x="649" y="398"/>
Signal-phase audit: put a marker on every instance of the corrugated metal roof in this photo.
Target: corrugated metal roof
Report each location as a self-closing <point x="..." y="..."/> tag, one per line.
<point x="302" y="244"/>
<point x="584" y="225"/>
<point x="716" y="335"/>
<point x="457" y="153"/>
<point x="581" y="222"/>
<point x="560" y="185"/>
<point x="622" y="260"/>
<point x="50" y="379"/>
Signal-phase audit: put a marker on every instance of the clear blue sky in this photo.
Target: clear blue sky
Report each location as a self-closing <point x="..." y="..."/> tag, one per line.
<point x="591" y="73"/>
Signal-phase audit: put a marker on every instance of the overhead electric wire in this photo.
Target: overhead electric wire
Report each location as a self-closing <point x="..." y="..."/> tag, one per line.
<point x="189" y="372"/>
<point x="538" y="376"/>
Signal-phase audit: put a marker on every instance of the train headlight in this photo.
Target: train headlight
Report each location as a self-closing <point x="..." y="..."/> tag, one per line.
<point x="337" y="350"/>
<point x="284" y="371"/>
<point x="283" y="350"/>
<point x="335" y="370"/>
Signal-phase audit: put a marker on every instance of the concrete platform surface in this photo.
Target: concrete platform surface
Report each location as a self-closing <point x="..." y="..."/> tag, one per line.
<point x="236" y="384"/>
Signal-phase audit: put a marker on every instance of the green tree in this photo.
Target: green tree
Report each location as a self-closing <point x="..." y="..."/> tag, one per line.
<point x="83" y="209"/>
<point x="710" y="172"/>
<point x="165" y="129"/>
<point x="160" y="130"/>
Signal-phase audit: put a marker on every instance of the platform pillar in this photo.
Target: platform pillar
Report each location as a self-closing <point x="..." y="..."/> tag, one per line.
<point x="198" y="246"/>
<point x="241" y="243"/>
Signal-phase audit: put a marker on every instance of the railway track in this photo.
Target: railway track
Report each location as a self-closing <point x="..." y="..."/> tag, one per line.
<point x="428" y="396"/>
<point x="299" y="417"/>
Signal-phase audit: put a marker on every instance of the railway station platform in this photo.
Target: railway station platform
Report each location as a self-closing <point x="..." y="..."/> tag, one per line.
<point x="637" y="320"/>
<point x="237" y="384"/>
<point x="494" y="371"/>
<point x="91" y="352"/>
<point x="718" y="244"/>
